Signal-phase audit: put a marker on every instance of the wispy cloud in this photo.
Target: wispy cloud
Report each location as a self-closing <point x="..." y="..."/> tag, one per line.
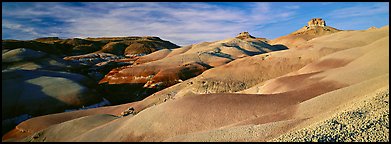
<point x="292" y="7"/>
<point x="19" y="27"/>
<point x="182" y="23"/>
<point x="327" y="3"/>
<point x="362" y="10"/>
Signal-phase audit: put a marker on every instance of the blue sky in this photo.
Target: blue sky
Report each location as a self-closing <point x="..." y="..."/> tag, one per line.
<point x="182" y="23"/>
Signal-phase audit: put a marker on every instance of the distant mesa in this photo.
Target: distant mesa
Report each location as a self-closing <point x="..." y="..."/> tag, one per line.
<point x="48" y="38"/>
<point x="132" y="45"/>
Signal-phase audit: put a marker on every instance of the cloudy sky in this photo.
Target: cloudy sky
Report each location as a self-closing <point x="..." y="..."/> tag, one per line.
<point x="182" y="23"/>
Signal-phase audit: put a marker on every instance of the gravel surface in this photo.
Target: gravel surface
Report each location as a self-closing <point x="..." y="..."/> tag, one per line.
<point x="365" y="121"/>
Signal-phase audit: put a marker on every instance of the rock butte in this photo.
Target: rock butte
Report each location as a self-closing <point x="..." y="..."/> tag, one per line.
<point x="315" y="28"/>
<point x="316" y="22"/>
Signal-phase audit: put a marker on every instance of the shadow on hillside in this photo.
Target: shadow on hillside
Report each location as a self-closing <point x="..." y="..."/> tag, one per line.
<point x="21" y="98"/>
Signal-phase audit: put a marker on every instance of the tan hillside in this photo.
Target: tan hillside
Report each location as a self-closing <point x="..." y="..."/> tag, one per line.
<point x="165" y="68"/>
<point x="315" y="28"/>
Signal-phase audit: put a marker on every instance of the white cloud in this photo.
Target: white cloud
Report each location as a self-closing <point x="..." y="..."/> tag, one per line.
<point x="363" y="10"/>
<point x="292" y="7"/>
<point x="327" y="3"/>
<point x="19" y="27"/>
<point x="181" y="23"/>
<point x="261" y="7"/>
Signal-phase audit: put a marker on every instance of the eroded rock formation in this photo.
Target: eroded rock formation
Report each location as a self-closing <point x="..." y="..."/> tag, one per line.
<point x="316" y="22"/>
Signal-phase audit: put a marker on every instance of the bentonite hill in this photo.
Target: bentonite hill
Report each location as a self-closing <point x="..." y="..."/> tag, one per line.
<point x="318" y="83"/>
